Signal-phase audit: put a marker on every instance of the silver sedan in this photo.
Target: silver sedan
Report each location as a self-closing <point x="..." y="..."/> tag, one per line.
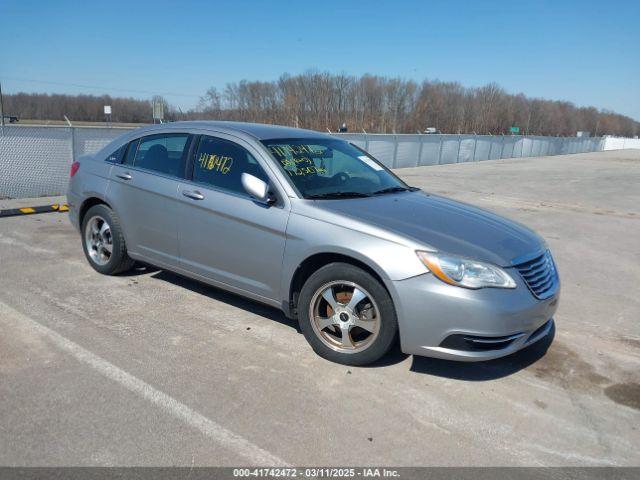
<point x="317" y="227"/>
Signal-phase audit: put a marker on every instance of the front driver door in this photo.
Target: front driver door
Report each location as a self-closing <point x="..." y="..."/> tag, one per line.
<point x="223" y="234"/>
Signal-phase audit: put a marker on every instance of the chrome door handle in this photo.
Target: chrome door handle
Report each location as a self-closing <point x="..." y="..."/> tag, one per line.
<point x="195" y="194"/>
<point x="124" y="176"/>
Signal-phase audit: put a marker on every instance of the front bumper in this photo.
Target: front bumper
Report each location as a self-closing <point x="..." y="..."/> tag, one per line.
<point x="444" y="321"/>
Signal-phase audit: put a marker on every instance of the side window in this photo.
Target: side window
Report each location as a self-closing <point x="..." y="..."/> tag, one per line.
<point x="130" y="154"/>
<point x="162" y="153"/>
<point x="221" y="163"/>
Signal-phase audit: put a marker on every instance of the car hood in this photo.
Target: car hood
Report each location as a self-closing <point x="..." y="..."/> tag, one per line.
<point x="443" y="224"/>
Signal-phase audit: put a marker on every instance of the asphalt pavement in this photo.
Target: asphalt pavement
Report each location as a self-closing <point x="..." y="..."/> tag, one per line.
<point x="150" y="368"/>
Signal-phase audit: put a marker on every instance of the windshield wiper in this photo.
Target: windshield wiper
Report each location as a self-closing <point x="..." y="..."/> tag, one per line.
<point x="394" y="190"/>
<point x="338" y="195"/>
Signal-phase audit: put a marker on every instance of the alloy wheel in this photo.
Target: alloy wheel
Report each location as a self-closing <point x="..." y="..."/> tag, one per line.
<point x="344" y="316"/>
<point x="98" y="240"/>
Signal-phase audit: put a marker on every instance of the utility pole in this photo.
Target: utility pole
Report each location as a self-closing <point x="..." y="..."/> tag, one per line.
<point x="1" y="109"/>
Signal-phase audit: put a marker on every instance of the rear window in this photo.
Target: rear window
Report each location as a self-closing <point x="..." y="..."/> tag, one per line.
<point x="115" y="156"/>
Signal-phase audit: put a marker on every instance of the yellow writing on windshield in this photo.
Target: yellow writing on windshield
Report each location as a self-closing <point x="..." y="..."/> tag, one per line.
<point x="295" y="162"/>
<point x="213" y="162"/>
<point x="282" y="151"/>
<point x="303" y="171"/>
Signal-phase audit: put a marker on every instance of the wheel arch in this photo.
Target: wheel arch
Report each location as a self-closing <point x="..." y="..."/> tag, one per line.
<point x="318" y="260"/>
<point x="87" y="204"/>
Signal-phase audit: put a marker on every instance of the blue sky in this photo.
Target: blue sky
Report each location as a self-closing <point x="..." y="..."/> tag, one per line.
<point x="587" y="52"/>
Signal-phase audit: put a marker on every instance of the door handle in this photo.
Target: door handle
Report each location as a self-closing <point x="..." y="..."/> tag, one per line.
<point x="124" y="176"/>
<point x="196" y="195"/>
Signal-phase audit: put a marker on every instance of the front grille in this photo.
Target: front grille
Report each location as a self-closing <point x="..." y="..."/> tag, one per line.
<point x="540" y="275"/>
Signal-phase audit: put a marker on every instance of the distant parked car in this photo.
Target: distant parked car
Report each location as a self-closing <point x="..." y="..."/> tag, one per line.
<point x="318" y="228"/>
<point x="10" y="118"/>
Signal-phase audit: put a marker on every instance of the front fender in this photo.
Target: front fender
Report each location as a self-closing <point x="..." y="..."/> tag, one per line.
<point x="307" y="236"/>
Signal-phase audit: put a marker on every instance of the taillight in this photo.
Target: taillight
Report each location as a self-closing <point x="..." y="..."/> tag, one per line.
<point x="74" y="168"/>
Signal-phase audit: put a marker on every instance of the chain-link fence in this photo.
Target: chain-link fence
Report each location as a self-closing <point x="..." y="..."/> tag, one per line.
<point x="35" y="161"/>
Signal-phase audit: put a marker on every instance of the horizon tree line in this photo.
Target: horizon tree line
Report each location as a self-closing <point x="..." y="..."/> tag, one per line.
<point x="324" y="101"/>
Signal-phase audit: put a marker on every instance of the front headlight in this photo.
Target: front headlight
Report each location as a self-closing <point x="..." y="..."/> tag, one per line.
<point x="464" y="272"/>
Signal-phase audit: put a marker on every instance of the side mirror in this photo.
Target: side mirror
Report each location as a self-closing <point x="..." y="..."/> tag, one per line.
<point x="256" y="188"/>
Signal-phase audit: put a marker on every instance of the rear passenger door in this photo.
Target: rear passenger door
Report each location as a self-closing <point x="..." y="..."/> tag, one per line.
<point x="226" y="236"/>
<point x="143" y="191"/>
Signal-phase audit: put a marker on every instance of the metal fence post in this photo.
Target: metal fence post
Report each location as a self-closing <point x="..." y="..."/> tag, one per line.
<point x="440" y="149"/>
<point x="475" y="145"/>
<point x="502" y="147"/>
<point x="366" y="141"/>
<point x="419" y="151"/>
<point x="459" y="145"/>
<point x="395" y="151"/>
<point x="522" y="146"/>
<point x="73" y="145"/>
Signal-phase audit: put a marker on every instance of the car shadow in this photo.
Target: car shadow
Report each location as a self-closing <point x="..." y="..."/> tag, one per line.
<point x="139" y="269"/>
<point x="484" y="371"/>
<point x="472" y="371"/>
<point x="226" y="297"/>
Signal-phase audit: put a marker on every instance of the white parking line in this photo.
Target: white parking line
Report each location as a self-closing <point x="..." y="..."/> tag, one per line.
<point x="206" y="426"/>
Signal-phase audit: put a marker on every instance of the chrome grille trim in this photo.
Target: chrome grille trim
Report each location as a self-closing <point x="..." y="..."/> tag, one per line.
<point x="540" y="275"/>
<point x="494" y="340"/>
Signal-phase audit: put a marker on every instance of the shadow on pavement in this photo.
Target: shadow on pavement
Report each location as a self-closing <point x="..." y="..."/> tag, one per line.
<point x="226" y="297"/>
<point x="474" y="371"/>
<point x="139" y="269"/>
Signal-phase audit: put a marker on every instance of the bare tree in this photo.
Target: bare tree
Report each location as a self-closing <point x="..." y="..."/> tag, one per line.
<point x="321" y="100"/>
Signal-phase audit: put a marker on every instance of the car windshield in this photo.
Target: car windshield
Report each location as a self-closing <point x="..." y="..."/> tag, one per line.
<point x="331" y="168"/>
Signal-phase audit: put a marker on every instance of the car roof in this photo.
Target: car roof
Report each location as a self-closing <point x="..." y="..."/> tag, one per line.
<point x="259" y="131"/>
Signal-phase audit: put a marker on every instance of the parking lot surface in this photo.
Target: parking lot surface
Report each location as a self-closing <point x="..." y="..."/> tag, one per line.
<point x="150" y="368"/>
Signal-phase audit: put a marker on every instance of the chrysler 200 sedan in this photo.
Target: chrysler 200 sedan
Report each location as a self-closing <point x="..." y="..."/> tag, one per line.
<point x="317" y="227"/>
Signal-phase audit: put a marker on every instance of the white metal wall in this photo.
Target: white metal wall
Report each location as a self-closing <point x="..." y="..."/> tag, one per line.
<point x="619" y="143"/>
<point x="401" y="151"/>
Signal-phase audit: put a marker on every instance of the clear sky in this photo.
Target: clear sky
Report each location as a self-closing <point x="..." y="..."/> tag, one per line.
<point x="587" y="52"/>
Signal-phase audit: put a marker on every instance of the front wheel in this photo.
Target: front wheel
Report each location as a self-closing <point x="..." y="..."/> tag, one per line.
<point x="347" y="315"/>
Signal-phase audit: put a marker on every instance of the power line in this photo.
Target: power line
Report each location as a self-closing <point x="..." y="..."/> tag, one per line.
<point x="96" y="87"/>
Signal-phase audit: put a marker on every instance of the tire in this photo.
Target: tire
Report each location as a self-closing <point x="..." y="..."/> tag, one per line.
<point x="370" y="322"/>
<point x="96" y="245"/>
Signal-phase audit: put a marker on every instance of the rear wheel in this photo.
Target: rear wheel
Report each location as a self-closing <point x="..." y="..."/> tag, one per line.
<point x="103" y="241"/>
<point x="346" y="315"/>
